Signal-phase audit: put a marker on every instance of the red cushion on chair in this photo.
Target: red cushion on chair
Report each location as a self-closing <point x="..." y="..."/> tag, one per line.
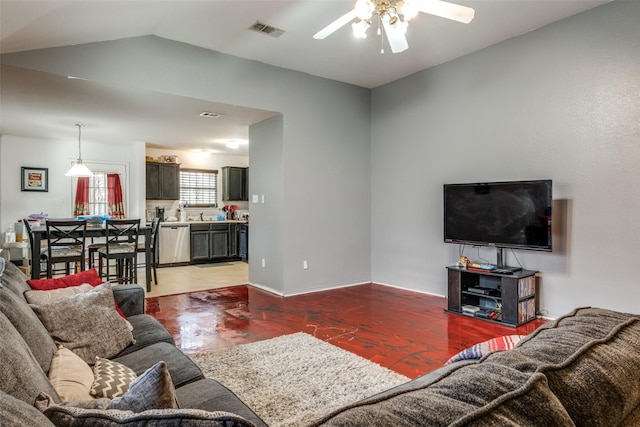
<point x="89" y="276"/>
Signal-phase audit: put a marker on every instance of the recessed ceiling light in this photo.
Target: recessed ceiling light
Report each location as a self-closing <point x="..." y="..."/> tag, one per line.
<point x="211" y="115"/>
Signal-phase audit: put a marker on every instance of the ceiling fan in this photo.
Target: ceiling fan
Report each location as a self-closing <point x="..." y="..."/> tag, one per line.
<point x="393" y="17"/>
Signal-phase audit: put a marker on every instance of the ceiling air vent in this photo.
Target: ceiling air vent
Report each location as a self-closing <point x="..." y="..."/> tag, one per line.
<point x="263" y="28"/>
<point x="211" y="115"/>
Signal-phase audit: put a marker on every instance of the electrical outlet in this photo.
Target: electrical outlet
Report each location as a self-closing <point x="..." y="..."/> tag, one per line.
<point x="264" y="263"/>
<point x="305" y="265"/>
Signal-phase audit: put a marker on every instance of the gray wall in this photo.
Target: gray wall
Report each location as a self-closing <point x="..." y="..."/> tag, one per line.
<point x="561" y="102"/>
<point x="265" y="162"/>
<point x="325" y="144"/>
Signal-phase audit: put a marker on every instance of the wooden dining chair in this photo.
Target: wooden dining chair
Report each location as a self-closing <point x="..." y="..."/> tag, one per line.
<point x="121" y="245"/>
<point x="66" y="244"/>
<point x="153" y="248"/>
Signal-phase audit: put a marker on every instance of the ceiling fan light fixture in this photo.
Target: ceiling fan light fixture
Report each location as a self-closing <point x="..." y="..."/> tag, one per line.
<point x="394" y="16"/>
<point x="79" y="168"/>
<point x="360" y="29"/>
<point x="408" y="9"/>
<point x="364" y="9"/>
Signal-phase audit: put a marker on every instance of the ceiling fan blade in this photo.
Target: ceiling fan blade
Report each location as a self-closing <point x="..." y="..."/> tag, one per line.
<point x="395" y="35"/>
<point x="447" y="10"/>
<point x="338" y="23"/>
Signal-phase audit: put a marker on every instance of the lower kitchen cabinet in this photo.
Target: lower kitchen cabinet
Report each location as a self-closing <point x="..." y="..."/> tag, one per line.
<point x="213" y="242"/>
<point x="243" y="241"/>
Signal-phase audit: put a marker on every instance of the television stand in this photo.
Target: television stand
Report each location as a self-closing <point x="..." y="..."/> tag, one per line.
<point x="501" y="264"/>
<point x="508" y="299"/>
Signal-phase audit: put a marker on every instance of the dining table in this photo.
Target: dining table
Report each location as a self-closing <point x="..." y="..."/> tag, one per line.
<point x="39" y="234"/>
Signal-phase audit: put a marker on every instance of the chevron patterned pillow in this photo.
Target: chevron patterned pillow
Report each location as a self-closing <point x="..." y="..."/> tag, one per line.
<point x="111" y="379"/>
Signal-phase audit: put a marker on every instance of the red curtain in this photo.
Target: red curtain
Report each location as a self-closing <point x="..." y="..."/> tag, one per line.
<point x="114" y="193"/>
<point x="81" y="206"/>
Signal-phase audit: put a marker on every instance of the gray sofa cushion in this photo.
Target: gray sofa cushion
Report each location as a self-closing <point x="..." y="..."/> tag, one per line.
<point x="130" y="298"/>
<point x="14" y="279"/>
<point x="20" y="374"/>
<point x="78" y="417"/>
<point x="591" y="358"/>
<point x="212" y="396"/>
<point x="146" y="331"/>
<point x="181" y="368"/>
<point x="472" y="395"/>
<point x="16" y="413"/>
<point x="28" y="325"/>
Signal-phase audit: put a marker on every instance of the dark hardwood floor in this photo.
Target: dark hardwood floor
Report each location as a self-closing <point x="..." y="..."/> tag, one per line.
<point x="407" y="332"/>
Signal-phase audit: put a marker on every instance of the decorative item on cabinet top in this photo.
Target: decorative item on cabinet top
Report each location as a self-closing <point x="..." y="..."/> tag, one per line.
<point x="168" y="159"/>
<point x="162" y="159"/>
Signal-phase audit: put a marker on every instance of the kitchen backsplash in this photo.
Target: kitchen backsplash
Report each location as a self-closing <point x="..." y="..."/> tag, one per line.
<point x="171" y="212"/>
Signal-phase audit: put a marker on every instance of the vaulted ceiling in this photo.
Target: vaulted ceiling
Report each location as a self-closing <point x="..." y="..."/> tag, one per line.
<point x="223" y="26"/>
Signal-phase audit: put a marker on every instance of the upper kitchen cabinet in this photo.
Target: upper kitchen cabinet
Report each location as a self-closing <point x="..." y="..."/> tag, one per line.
<point x="163" y="181"/>
<point x="235" y="184"/>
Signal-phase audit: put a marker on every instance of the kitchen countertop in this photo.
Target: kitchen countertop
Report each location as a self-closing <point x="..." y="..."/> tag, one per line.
<point x="213" y="221"/>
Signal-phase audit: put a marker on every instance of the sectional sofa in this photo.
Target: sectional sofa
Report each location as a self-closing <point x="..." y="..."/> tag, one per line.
<point x="27" y="353"/>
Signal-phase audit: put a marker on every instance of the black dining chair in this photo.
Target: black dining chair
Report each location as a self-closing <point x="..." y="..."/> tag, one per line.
<point x="66" y="244"/>
<point x="121" y="246"/>
<point x="153" y="248"/>
<point x="42" y="259"/>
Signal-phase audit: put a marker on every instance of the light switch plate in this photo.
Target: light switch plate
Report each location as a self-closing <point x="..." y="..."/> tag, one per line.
<point x="254" y="198"/>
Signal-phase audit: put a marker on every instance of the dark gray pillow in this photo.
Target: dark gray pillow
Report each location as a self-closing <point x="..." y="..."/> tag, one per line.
<point x="153" y="389"/>
<point x="87" y="324"/>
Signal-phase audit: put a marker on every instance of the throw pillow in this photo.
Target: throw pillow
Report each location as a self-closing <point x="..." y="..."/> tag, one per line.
<point x="2" y="265"/>
<point x="153" y="389"/>
<point x="70" y="376"/>
<point x="480" y="350"/>
<point x="53" y="295"/>
<point x="88" y="276"/>
<point x="87" y="324"/>
<point x="47" y="297"/>
<point x="111" y="379"/>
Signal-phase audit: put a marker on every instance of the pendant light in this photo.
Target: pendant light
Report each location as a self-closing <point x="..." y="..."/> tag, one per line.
<point x="79" y="168"/>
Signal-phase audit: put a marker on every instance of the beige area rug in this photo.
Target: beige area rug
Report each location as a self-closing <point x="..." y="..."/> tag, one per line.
<point x="199" y="277"/>
<point x="295" y="379"/>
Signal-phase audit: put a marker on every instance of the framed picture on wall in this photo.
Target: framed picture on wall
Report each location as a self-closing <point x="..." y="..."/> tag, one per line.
<point x="34" y="179"/>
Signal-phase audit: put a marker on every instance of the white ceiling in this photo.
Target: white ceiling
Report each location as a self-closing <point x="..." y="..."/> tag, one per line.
<point x="223" y="26"/>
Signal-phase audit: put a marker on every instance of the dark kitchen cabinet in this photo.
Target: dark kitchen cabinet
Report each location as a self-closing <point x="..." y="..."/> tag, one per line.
<point x="235" y="184"/>
<point x="219" y="240"/>
<point x="243" y="241"/>
<point x="162" y="181"/>
<point x="200" y="242"/>
<point x="212" y="242"/>
<point x="233" y="239"/>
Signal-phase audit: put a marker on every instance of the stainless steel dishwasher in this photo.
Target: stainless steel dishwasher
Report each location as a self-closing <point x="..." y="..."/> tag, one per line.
<point x="173" y="243"/>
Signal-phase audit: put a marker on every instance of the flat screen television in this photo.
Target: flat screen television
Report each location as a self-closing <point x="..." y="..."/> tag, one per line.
<point x="514" y="214"/>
